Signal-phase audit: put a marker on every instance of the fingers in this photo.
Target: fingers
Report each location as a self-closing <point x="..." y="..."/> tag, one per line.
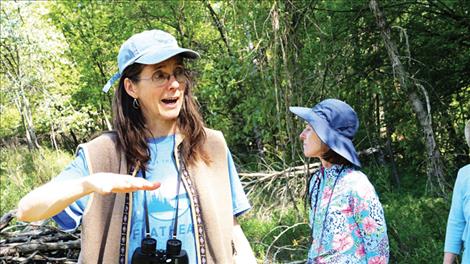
<point x="133" y="184"/>
<point x="106" y="183"/>
<point x="143" y="184"/>
<point x="151" y="186"/>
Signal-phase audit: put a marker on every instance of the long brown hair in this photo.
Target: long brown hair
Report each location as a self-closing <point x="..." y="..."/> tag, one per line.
<point x="132" y="131"/>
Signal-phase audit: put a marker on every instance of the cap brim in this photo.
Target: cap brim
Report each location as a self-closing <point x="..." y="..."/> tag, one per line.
<point x="338" y="143"/>
<point x="157" y="56"/>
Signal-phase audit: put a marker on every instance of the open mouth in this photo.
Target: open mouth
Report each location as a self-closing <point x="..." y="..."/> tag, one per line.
<point x="169" y="101"/>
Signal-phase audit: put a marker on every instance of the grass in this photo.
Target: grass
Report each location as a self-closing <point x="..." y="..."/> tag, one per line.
<point x="22" y="170"/>
<point x="416" y="228"/>
<point x="283" y="237"/>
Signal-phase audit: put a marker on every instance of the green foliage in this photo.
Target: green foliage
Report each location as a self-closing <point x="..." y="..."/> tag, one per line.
<point x="9" y="122"/>
<point x="258" y="58"/>
<point x="416" y="227"/>
<point x="22" y="170"/>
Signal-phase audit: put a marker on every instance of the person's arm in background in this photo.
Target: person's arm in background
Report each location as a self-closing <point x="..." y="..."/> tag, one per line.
<point x="449" y="258"/>
<point x="240" y="204"/>
<point x="455" y="223"/>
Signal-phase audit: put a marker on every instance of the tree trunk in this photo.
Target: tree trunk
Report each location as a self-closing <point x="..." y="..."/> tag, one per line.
<point x="390" y="153"/>
<point x="22" y="104"/>
<point x="26" y="113"/>
<point x="389" y="129"/>
<point x="435" y="182"/>
<point x="289" y="43"/>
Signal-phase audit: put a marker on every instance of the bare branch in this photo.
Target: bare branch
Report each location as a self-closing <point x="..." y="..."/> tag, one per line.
<point x="219" y="26"/>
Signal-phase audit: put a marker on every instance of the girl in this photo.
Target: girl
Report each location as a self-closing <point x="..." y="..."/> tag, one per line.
<point x="346" y="216"/>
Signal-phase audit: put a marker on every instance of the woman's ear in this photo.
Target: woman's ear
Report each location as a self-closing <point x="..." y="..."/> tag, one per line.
<point x="130" y="88"/>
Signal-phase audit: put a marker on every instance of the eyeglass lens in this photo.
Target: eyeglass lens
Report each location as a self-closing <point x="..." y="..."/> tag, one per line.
<point x="161" y="78"/>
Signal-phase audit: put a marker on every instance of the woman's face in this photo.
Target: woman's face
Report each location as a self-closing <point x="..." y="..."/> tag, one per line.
<point x="313" y="146"/>
<point x="158" y="91"/>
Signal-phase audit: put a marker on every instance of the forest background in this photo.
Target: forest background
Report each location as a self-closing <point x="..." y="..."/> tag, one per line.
<point x="404" y="66"/>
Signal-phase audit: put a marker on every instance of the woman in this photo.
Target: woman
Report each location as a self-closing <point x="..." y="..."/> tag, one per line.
<point x="159" y="178"/>
<point x="346" y="216"/>
<point x="458" y="223"/>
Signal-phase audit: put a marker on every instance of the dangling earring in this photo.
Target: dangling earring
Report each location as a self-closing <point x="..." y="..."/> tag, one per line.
<point x="135" y="104"/>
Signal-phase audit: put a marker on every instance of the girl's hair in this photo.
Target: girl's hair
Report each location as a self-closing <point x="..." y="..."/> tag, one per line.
<point x="132" y="132"/>
<point x="332" y="157"/>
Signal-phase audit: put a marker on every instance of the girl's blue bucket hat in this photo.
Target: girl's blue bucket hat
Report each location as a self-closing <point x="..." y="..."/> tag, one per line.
<point x="148" y="47"/>
<point x="335" y="123"/>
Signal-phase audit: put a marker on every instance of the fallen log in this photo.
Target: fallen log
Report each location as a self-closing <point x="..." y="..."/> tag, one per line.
<point x="36" y="243"/>
<point x="30" y="247"/>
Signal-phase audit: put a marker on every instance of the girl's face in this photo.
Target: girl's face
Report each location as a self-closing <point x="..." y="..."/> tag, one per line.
<point x="160" y="90"/>
<point x="313" y="146"/>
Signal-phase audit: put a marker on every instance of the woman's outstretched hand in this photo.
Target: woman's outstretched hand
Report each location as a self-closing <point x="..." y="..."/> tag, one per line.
<point x="53" y="197"/>
<point x="105" y="183"/>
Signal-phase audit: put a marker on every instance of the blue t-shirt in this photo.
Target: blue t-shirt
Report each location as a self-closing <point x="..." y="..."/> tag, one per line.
<point x="161" y="202"/>
<point x="458" y="222"/>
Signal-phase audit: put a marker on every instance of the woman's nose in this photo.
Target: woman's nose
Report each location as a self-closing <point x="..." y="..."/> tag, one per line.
<point x="173" y="82"/>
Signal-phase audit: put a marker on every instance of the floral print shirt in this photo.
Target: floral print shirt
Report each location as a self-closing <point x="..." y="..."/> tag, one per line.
<point x="346" y="217"/>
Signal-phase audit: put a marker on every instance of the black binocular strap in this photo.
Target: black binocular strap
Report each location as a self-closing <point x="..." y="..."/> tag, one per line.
<point x="180" y="157"/>
<point x="178" y="183"/>
<point x="147" y="225"/>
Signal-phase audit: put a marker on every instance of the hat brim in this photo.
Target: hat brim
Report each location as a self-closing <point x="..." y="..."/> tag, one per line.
<point x="156" y="56"/>
<point x="337" y="142"/>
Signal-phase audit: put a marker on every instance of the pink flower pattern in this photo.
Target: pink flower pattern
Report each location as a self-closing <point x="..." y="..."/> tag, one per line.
<point x="353" y="230"/>
<point x="360" y="251"/>
<point x="378" y="260"/>
<point x="326" y="196"/>
<point x="342" y="242"/>
<point x="347" y="211"/>
<point x="369" y="225"/>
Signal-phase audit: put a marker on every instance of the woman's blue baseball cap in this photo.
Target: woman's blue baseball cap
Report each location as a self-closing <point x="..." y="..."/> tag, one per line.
<point x="335" y="123"/>
<point x="148" y="47"/>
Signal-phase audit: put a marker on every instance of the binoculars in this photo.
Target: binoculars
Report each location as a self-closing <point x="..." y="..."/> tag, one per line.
<point x="147" y="253"/>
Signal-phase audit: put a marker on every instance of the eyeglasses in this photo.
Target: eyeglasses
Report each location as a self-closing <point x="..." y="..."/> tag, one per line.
<point x="161" y="78"/>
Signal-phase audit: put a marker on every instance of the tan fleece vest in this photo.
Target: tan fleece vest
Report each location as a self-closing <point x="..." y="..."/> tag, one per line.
<point x="101" y="243"/>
